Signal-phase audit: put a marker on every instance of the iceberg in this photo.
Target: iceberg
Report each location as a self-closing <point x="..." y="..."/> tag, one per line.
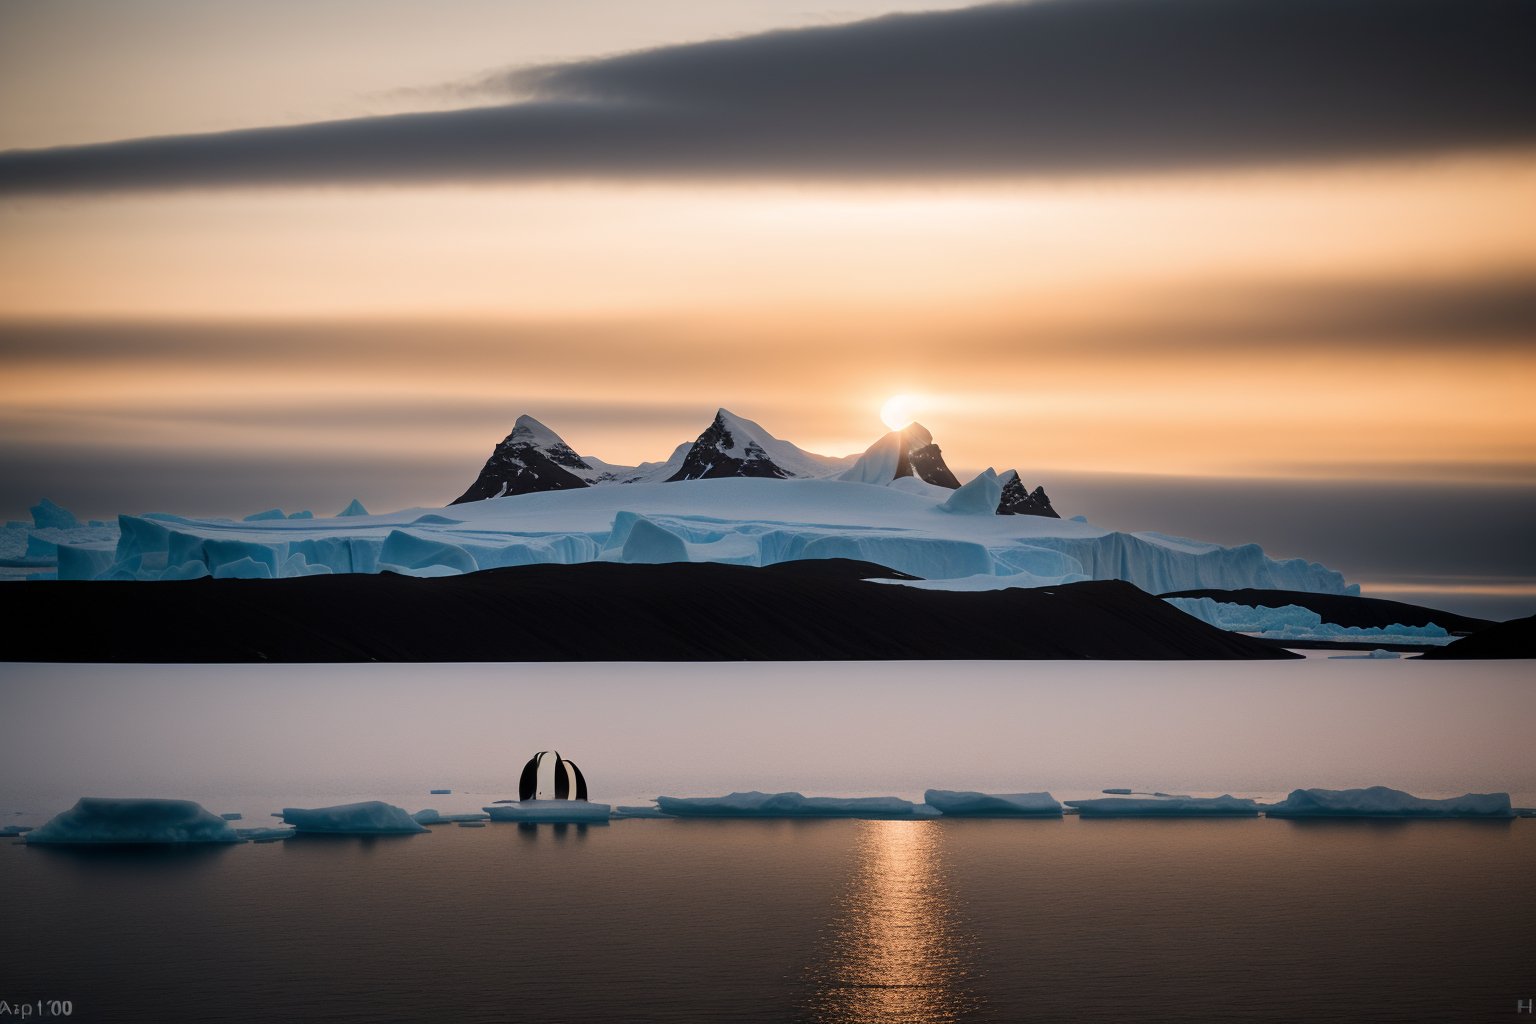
<point x="417" y="551"/>
<point x="269" y="514"/>
<point x="354" y="508"/>
<point x="649" y="543"/>
<point x="1166" y="807"/>
<point x="430" y="816"/>
<point x="1381" y="802"/>
<point x="791" y="805"/>
<point x="979" y="497"/>
<point x="48" y="516"/>
<point x="965" y="804"/>
<point x="371" y="817"/>
<point x="553" y="812"/>
<point x="135" y="820"/>
<point x="439" y="792"/>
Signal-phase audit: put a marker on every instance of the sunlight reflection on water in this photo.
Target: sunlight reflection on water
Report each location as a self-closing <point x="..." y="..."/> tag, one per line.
<point x="895" y="951"/>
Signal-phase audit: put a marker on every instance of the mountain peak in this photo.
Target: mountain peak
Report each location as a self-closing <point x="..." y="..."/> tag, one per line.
<point x="909" y="451"/>
<point x="531" y="458"/>
<point x="528" y="430"/>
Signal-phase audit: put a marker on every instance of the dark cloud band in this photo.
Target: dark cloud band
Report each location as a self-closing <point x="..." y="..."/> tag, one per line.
<point x="1055" y="86"/>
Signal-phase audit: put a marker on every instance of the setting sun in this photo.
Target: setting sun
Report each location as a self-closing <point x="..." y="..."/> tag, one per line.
<point x="899" y="410"/>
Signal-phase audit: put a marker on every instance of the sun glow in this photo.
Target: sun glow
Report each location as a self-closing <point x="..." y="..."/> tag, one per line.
<point x="899" y="410"/>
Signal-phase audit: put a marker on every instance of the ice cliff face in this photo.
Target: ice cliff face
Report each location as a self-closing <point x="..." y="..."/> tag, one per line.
<point x="760" y="521"/>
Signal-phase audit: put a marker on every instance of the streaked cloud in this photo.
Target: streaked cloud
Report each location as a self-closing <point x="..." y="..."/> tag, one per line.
<point x="1054" y="86"/>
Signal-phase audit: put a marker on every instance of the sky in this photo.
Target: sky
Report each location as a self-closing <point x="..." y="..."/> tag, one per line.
<point x="1249" y="270"/>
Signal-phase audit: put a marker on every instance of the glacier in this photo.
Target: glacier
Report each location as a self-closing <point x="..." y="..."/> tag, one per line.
<point x="744" y="521"/>
<point x="1293" y="622"/>
<point x="756" y="804"/>
<point x="133" y="820"/>
<point x="966" y="804"/>
<point x="1382" y="802"/>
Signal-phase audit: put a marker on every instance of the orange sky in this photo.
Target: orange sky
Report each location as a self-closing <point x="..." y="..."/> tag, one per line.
<point x="1318" y="317"/>
<point x="1244" y="323"/>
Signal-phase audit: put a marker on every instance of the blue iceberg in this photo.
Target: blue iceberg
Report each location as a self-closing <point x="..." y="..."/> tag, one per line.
<point x="791" y="805"/>
<point x="1381" y="802"/>
<point x="965" y="804"/>
<point x="371" y="817"/>
<point x="114" y="820"/>
<point x="1167" y="807"/>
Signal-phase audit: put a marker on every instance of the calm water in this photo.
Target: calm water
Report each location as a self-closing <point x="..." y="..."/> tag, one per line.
<point x="837" y="921"/>
<point x="771" y="921"/>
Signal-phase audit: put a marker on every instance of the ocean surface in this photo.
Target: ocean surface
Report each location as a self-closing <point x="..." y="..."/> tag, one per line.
<point x="958" y="920"/>
<point x="838" y="921"/>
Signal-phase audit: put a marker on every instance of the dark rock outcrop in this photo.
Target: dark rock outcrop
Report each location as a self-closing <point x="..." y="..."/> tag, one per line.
<point x="1016" y="501"/>
<point x="601" y="611"/>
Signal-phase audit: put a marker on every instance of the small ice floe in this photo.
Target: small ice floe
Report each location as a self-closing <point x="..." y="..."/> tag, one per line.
<point x="8" y="831"/>
<point x="553" y="812"/>
<point x="232" y="816"/>
<point x="265" y="835"/>
<point x="439" y="792"/>
<point x="1379" y="654"/>
<point x="964" y="804"/>
<point x="1381" y="802"/>
<point x="471" y="824"/>
<point x="637" y="811"/>
<point x="371" y="817"/>
<point x="430" y="816"/>
<point x="1224" y="806"/>
<point x="1117" y="792"/>
<point x="792" y="805"/>
<point x="112" y="820"/>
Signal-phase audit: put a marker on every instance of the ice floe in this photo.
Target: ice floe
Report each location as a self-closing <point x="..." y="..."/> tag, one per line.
<point x="370" y="817"/>
<point x="1382" y="802"/>
<point x="576" y="812"/>
<point x="1166" y="807"/>
<point x="136" y="820"/>
<point x="952" y="803"/>
<point x="430" y="816"/>
<point x="791" y="805"/>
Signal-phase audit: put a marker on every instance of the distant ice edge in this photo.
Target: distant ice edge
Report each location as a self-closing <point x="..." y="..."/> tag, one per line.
<point x="106" y="821"/>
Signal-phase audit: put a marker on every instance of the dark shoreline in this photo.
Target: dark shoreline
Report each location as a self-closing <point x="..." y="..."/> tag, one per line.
<point x="818" y="610"/>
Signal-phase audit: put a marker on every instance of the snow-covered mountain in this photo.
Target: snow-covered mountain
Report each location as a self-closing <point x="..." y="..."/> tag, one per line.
<point x="531" y="458"/>
<point x="735" y="447"/>
<point x="909" y="451"/>
<point x="534" y="458"/>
